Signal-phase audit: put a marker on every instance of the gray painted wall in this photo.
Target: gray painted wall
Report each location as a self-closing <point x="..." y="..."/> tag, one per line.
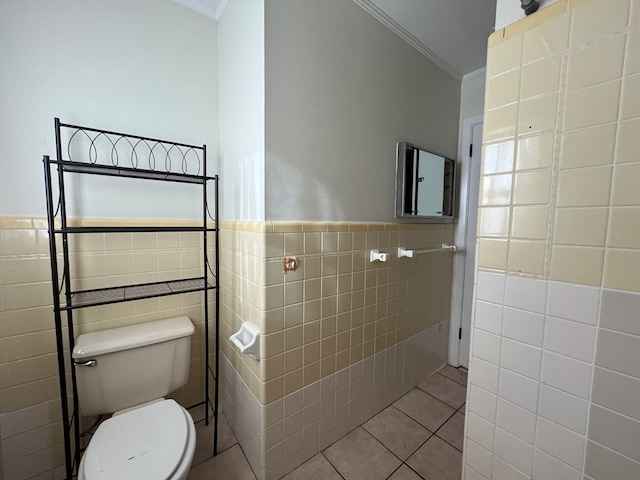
<point x="341" y="91"/>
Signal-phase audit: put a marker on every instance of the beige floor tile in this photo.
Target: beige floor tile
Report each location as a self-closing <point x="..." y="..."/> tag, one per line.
<point x="452" y="432"/>
<point x="204" y="440"/>
<point x="454" y="374"/>
<point x="359" y="456"/>
<point x="230" y="465"/>
<point x="445" y="390"/>
<point x="424" y="409"/>
<point x="438" y="460"/>
<point x="316" y="467"/>
<point x="397" y="432"/>
<point x="405" y="473"/>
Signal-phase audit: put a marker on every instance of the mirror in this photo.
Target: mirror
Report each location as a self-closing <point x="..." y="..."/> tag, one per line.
<point x="424" y="184"/>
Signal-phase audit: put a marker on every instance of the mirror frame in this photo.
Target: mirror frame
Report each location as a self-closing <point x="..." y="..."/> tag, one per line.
<point x="401" y="151"/>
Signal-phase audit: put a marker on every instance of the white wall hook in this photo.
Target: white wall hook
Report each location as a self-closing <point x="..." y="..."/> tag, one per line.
<point x="403" y="252"/>
<point x="376" y="256"/>
<point x="247" y="339"/>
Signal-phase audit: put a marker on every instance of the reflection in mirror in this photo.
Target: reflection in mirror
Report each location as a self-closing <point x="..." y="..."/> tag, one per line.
<point x="424" y="183"/>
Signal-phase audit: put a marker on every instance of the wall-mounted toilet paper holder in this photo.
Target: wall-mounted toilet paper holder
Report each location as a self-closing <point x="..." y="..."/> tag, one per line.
<point x="247" y="339"/>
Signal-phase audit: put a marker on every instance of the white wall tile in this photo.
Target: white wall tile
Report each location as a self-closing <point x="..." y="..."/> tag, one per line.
<point x="521" y="358"/>
<point x="488" y="317"/>
<point x="480" y="431"/>
<point x="563" y="408"/>
<point x="484" y="375"/>
<point x="526" y="294"/>
<point x="619" y="352"/>
<point x="616" y="392"/>
<point x="514" y="451"/>
<point x="518" y="389"/>
<point x="614" y="431"/>
<point x="573" y="302"/>
<point x="478" y="458"/>
<point x="482" y="403"/>
<point x="619" y="311"/>
<point x="504" y="471"/>
<point x="566" y="374"/>
<point x="490" y="287"/>
<point x="560" y="443"/>
<point x="545" y="467"/>
<point x="516" y="420"/>
<point x="570" y="338"/>
<point x="527" y="327"/>
<point x="486" y="346"/>
<point x="470" y="474"/>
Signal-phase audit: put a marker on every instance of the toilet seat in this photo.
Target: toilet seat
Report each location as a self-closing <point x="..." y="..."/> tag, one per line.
<point x="149" y="442"/>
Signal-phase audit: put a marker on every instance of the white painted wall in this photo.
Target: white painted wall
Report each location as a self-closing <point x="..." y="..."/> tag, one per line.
<point x="509" y="11"/>
<point x="242" y="110"/>
<point x="140" y="66"/>
<point x="341" y="90"/>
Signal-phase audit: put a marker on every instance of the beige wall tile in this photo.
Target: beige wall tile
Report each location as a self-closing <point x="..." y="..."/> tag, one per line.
<point x="588" y="147"/>
<point x="626" y="148"/>
<point x="500" y="123"/>
<point x="537" y="115"/>
<point x="502" y="89"/>
<point x="626" y="178"/>
<point x="541" y="77"/>
<point x="492" y="253"/>
<point x="495" y="190"/>
<point x="630" y="102"/>
<point x="498" y="157"/>
<point x="493" y="222"/>
<point x="530" y="222"/>
<point x="19" y="270"/>
<point x="624" y="228"/>
<point x="18" y="242"/>
<point x="584" y="187"/>
<point x="621" y="270"/>
<point x="505" y="56"/>
<point x="526" y="257"/>
<point x="588" y="22"/>
<point x="596" y="63"/>
<point x="547" y="39"/>
<point x="635" y="12"/>
<point x="592" y="106"/>
<point x="581" y="265"/>
<point x="535" y="151"/>
<point x="532" y="187"/>
<point x="581" y="226"/>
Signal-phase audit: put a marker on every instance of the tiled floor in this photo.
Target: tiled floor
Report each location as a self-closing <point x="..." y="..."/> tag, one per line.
<point x="418" y="437"/>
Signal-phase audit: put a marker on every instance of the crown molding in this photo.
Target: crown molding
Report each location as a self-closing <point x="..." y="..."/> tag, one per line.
<point x="207" y="8"/>
<point x="408" y="37"/>
<point x="481" y="72"/>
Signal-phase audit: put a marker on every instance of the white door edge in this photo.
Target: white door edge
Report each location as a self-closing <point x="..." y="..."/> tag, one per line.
<point x="459" y="259"/>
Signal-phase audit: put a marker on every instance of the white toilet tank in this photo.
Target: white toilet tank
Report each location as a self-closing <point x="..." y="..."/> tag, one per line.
<point x="133" y="364"/>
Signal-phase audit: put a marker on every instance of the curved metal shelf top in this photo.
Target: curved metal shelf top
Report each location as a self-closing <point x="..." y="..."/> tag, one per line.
<point x="105" y="152"/>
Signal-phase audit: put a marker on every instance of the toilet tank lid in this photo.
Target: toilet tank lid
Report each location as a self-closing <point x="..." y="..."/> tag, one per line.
<point x="132" y="336"/>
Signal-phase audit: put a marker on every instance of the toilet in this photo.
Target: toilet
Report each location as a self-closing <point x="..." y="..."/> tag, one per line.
<point x="127" y="371"/>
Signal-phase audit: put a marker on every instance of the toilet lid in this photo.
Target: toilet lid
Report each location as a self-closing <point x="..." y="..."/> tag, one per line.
<point x="145" y="443"/>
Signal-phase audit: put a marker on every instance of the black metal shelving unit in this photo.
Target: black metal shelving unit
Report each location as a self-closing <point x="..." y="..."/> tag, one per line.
<point x="92" y="146"/>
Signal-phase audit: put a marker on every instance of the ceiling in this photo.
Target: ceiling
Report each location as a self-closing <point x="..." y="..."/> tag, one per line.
<point x="451" y="33"/>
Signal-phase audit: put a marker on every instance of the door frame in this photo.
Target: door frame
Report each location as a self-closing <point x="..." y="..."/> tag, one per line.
<point x="460" y="237"/>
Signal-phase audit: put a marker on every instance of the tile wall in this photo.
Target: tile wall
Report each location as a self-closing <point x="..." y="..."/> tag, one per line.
<point x="336" y="313"/>
<point x="553" y="372"/>
<point x="30" y="415"/>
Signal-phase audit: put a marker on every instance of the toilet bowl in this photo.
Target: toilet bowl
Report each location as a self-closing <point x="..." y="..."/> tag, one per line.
<point x="155" y="442"/>
<point x="128" y="371"/>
